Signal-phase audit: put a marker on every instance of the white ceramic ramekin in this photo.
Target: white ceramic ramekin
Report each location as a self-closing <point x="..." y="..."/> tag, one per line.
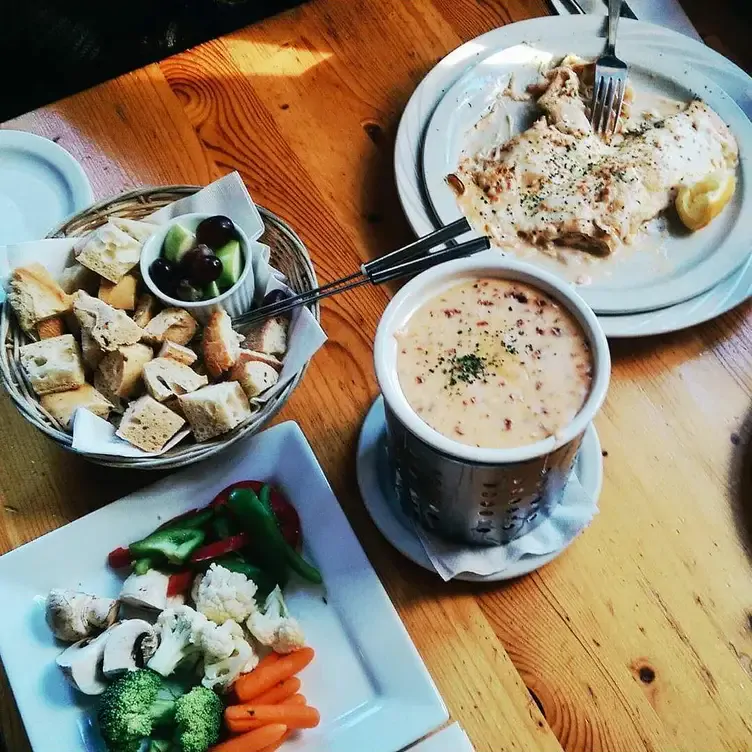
<point x="480" y="495"/>
<point x="236" y="301"/>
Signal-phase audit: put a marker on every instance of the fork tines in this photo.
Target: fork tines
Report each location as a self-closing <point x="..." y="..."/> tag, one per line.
<point x="608" y="94"/>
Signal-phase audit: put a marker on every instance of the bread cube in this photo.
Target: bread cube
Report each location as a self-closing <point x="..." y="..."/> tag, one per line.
<point x="165" y="378"/>
<point x="215" y="409"/>
<point x="149" y="425"/>
<point x="53" y="365"/>
<point x="63" y="405"/>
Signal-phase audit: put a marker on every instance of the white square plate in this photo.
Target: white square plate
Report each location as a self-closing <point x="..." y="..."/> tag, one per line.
<point x="450" y="739"/>
<point x="368" y="681"/>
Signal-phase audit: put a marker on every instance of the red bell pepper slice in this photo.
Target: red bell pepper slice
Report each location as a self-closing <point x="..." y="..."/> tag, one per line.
<point x="120" y="558"/>
<point x="180" y="582"/>
<point x="220" y="548"/>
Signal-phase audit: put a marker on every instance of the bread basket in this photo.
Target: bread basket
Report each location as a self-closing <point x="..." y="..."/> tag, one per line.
<point x="288" y="254"/>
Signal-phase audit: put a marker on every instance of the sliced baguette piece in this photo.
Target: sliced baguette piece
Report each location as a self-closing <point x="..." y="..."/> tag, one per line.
<point x="109" y="327"/>
<point x="90" y="350"/>
<point x="254" y="376"/>
<point x="149" y="425"/>
<point x="270" y="337"/>
<point x="146" y="309"/>
<point x="78" y="277"/>
<point x="54" y="327"/>
<point x="121" y="295"/>
<point x="53" y="365"/>
<point x="270" y="360"/>
<point x="35" y="296"/>
<point x="215" y="409"/>
<point x="172" y="324"/>
<point x="177" y="352"/>
<point x="220" y="345"/>
<point x="137" y="229"/>
<point x="63" y="405"/>
<point x="110" y="252"/>
<point x="119" y="374"/>
<point x="165" y="378"/>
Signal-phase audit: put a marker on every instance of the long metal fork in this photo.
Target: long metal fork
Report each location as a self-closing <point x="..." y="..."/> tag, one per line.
<point x="610" y="79"/>
<point x="404" y="262"/>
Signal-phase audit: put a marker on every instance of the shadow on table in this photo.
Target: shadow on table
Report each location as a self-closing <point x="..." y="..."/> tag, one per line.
<point x="259" y="120"/>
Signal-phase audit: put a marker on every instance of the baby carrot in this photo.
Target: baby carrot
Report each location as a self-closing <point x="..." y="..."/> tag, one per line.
<point x="274" y="747"/>
<point x="267" y="660"/>
<point x="279" y="692"/>
<point x="240" y="724"/>
<point x="295" y="700"/>
<point x="254" y="741"/>
<point x="262" y="678"/>
<point x="291" y="715"/>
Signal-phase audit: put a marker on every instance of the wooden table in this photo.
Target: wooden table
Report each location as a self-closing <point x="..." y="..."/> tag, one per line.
<point x="640" y="636"/>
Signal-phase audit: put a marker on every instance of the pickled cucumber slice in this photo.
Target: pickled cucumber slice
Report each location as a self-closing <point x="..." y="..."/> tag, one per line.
<point x="232" y="264"/>
<point x="178" y="241"/>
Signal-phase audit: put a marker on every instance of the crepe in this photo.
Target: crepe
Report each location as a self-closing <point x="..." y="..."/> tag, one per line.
<point x="559" y="183"/>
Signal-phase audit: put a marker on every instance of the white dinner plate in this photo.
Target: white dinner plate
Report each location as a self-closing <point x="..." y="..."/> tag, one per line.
<point x="727" y="294"/>
<point x="657" y="271"/>
<point x="367" y="679"/>
<point x="40" y="186"/>
<point x="372" y="466"/>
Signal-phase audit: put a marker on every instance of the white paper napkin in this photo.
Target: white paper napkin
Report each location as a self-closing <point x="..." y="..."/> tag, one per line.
<point x="94" y="435"/>
<point x="568" y="519"/>
<point x="227" y="196"/>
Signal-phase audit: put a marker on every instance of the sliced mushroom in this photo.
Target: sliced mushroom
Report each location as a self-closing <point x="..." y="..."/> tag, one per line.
<point x="146" y="590"/>
<point x="121" y="652"/>
<point x="148" y="646"/>
<point x="82" y="664"/>
<point x="73" y="616"/>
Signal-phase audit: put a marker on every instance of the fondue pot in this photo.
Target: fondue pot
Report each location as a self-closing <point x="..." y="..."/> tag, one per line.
<point x="482" y="496"/>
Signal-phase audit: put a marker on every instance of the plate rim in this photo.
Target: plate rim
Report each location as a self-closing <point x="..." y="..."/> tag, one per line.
<point x="735" y="290"/>
<point x="82" y="194"/>
<point x="413" y="681"/>
<point x="379" y="509"/>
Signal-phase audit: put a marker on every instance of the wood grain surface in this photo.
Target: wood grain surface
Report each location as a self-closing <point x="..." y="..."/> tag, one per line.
<point x="640" y="636"/>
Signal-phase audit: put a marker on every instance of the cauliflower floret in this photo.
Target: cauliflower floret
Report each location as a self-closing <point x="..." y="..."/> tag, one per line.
<point x="227" y="654"/>
<point x="221" y="595"/>
<point x="219" y="642"/>
<point x="181" y="631"/>
<point x="274" y="627"/>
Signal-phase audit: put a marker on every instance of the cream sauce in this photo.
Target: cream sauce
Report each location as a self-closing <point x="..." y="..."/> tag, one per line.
<point x="494" y="363"/>
<point x="642" y="108"/>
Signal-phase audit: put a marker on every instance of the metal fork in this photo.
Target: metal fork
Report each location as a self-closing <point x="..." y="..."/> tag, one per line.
<point x="610" y="79"/>
<point x="404" y="262"/>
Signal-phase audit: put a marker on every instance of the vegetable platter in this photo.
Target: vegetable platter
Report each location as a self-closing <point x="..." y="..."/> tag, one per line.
<point x="246" y="618"/>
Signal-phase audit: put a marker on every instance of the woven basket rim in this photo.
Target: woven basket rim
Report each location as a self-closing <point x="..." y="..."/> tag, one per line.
<point x="27" y="403"/>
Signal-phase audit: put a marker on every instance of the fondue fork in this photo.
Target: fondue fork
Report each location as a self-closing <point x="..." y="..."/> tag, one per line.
<point x="404" y="262"/>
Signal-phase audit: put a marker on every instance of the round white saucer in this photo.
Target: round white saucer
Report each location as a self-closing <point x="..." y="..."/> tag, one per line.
<point x="382" y="505"/>
<point x="40" y="185"/>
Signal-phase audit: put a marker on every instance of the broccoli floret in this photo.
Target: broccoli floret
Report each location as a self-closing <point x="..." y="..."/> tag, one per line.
<point x="131" y="707"/>
<point x="198" y="719"/>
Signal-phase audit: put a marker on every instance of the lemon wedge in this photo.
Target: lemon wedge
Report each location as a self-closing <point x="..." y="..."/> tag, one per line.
<point x="700" y="203"/>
